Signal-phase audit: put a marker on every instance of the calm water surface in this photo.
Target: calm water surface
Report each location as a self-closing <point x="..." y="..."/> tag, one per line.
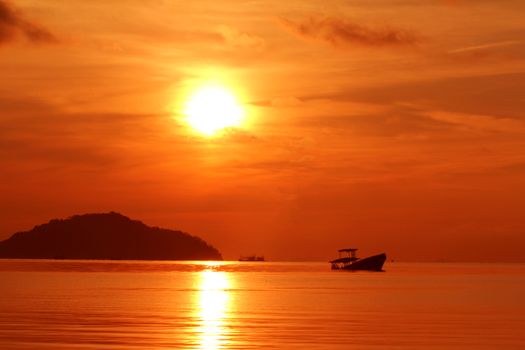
<point x="231" y="305"/>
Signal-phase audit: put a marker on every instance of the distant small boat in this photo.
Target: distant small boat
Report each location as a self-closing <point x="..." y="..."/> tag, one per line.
<point x="251" y="258"/>
<point x="348" y="261"/>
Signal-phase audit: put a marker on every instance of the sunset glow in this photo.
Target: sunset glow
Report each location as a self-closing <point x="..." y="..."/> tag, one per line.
<point x="254" y="123"/>
<point x="212" y="108"/>
<point x="226" y="175"/>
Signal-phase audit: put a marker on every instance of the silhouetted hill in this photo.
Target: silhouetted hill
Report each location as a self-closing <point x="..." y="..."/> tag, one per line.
<point x="105" y="236"/>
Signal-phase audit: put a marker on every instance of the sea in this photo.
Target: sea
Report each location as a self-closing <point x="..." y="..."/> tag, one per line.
<point x="84" y="305"/>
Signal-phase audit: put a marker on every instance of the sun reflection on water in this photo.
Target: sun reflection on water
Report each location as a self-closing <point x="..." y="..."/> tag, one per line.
<point x="214" y="303"/>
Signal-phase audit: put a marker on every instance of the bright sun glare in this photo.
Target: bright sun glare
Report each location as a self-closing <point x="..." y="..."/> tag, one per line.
<point x="212" y="108"/>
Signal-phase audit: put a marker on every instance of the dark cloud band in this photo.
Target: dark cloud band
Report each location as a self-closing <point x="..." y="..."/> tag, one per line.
<point x="341" y="32"/>
<point x="13" y="25"/>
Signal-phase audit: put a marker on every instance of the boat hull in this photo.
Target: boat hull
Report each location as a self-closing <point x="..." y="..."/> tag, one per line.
<point x="371" y="263"/>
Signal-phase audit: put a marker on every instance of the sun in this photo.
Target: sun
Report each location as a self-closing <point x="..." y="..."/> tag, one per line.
<point x="212" y="108"/>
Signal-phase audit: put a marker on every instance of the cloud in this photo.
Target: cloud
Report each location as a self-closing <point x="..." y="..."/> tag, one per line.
<point x="478" y="122"/>
<point x="506" y="51"/>
<point x="341" y="32"/>
<point x="14" y="24"/>
<point x="241" y="40"/>
<point x="486" y="46"/>
<point x="499" y="95"/>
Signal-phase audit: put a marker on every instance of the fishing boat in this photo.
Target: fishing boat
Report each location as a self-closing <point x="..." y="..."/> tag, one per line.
<point x="251" y="258"/>
<point x="349" y="261"/>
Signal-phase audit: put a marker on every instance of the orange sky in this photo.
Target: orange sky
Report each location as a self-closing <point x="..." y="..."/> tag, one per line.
<point x="393" y="126"/>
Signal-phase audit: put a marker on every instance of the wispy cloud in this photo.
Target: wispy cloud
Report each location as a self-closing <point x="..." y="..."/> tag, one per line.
<point x="488" y="46"/>
<point x="342" y="32"/>
<point x="499" y="51"/>
<point x="14" y="24"/>
<point x="237" y="39"/>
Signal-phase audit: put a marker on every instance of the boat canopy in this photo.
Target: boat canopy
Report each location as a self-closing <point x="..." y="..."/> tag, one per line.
<point x="347" y="250"/>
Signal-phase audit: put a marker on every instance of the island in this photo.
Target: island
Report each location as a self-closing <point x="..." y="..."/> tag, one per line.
<point x="106" y="236"/>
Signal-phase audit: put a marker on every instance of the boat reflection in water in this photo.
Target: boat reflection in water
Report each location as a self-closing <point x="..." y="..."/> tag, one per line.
<point x="214" y="304"/>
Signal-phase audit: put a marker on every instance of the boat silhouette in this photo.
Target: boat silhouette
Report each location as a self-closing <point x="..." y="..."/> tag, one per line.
<point x="348" y="261"/>
<point x="251" y="258"/>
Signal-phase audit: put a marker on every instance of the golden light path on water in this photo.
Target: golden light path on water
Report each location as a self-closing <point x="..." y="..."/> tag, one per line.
<point x="214" y="303"/>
